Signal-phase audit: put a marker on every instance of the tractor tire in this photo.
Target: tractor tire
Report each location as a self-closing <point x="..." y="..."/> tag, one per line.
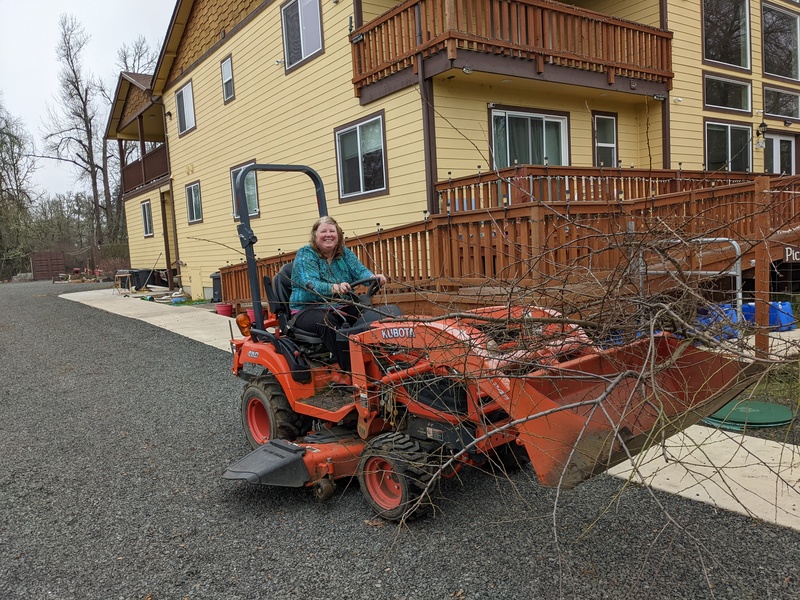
<point x="393" y="473"/>
<point x="267" y="415"/>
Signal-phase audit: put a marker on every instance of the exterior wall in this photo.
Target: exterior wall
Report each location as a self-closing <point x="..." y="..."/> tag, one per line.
<point x="688" y="114"/>
<point x="646" y="13"/>
<point x="375" y="8"/>
<point x="463" y="129"/>
<point x="208" y="22"/>
<point x="285" y="119"/>
<point x="147" y="251"/>
<point x="134" y="102"/>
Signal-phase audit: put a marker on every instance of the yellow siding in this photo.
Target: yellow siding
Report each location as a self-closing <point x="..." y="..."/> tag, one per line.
<point x="287" y="119"/>
<point x="462" y="123"/>
<point x="146" y="251"/>
<point x="688" y="113"/>
<point x="646" y="13"/>
<point x="375" y="8"/>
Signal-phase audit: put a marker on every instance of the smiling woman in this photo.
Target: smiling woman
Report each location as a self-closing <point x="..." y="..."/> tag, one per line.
<point x="321" y="277"/>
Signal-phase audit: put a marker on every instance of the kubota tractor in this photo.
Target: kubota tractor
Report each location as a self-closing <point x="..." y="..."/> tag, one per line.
<point x="427" y="396"/>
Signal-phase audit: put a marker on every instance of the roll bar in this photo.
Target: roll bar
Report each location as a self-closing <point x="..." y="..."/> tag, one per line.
<point x="246" y="236"/>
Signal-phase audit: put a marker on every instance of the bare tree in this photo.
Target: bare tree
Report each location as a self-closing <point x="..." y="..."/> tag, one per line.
<point x="16" y="191"/>
<point x="138" y="57"/>
<point x="73" y="133"/>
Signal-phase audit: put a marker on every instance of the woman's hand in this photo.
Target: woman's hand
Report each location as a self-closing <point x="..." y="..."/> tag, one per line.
<point x="340" y="289"/>
<point x="381" y="278"/>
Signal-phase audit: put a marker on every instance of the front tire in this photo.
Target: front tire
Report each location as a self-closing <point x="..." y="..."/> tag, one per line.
<point x="393" y="473"/>
<point x="267" y="415"/>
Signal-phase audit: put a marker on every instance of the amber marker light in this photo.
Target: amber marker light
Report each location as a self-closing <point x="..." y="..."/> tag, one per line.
<point x="243" y="323"/>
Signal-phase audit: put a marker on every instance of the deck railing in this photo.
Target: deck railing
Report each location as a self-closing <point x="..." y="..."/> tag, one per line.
<point x="537" y="30"/>
<point x="531" y="183"/>
<point x="551" y="243"/>
<point x="153" y="166"/>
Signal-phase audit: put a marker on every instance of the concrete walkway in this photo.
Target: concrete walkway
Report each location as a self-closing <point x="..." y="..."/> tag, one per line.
<point x="734" y="472"/>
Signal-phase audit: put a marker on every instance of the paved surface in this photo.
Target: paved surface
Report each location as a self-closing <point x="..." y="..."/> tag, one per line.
<point x="114" y="433"/>
<point x="731" y="471"/>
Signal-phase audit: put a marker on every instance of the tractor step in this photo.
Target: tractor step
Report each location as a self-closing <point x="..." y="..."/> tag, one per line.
<point x="277" y="462"/>
<point x="330" y="398"/>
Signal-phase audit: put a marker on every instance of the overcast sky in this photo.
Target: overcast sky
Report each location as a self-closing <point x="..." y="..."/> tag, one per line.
<point x="28" y="65"/>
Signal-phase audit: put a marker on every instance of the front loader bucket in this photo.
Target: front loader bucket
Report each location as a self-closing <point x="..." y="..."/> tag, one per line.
<point x="588" y="414"/>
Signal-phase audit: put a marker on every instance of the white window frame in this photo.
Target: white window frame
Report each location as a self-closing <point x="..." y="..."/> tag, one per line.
<point x="194" y="203"/>
<point x="357" y="127"/>
<point x="184" y="103"/>
<point x="599" y="144"/>
<point x="147" y="219"/>
<point x="748" y="41"/>
<point x="226" y="68"/>
<point x="796" y="17"/>
<point x="253" y="208"/>
<point x="788" y="93"/>
<point x="743" y="84"/>
<point x="562" y="120"/>
<point x="309" y="27"/>
<point x="730" y="126"/>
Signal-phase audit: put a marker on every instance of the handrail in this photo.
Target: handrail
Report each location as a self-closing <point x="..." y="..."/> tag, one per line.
<point x="538" y="243"/>
<point x="539" y="30"/>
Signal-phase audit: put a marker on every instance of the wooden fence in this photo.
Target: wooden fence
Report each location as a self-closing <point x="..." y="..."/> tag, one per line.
<point x="551" y="243"/>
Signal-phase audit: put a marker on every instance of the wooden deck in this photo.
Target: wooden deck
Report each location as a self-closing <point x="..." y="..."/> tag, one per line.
<point x="553" y="245"/>
<point x="545" y="33"/>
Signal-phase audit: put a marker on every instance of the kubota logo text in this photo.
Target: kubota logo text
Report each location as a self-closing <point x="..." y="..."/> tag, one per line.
<point x="398" y="332"/>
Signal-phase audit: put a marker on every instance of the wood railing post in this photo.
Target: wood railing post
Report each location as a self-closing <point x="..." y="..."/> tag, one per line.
<point x="762" y="267"/>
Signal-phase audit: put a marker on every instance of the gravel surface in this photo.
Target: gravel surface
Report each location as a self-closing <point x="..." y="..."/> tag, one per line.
<point x="113" y="437"/>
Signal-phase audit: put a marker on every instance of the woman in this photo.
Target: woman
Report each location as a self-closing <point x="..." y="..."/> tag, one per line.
<point x="323" y="270"/>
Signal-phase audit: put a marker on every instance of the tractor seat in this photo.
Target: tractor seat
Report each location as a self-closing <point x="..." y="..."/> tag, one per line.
<point x="279" y="291"/>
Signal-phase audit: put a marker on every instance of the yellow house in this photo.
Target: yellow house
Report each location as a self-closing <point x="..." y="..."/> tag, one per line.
<point x="384" y="100"/>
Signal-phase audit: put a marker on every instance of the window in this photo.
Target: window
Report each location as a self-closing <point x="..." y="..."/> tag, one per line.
<point x="781" y="104"/>
<point x="147" y="219"/>
<point x="726" y="93"/>
<point x="780" y="43"/>
<point x="227" y="79"/>
<point x="528" y="139"/>
<point x="250" y="190"/>
<point x="361" y="158"/>
<point x="727" y="147"/>
<point x="726" y="27"/>
<point x="185" y="105"/>
<point x="302" y="31"/>
<point x="605" y="141"/>
<point x="193" y="204"/>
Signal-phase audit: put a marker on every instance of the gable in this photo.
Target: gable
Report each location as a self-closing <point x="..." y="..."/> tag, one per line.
<point x="209" y="23"/>
<point x="135" y="102"/>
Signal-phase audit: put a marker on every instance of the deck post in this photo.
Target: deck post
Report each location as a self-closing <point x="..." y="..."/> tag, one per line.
<point x="762" y="267"/>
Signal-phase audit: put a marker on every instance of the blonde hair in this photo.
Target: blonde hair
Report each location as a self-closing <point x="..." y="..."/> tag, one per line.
<point x="327" y="221"/>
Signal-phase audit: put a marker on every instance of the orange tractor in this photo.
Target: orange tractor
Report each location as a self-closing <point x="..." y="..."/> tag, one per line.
<point x="427" y="396"/>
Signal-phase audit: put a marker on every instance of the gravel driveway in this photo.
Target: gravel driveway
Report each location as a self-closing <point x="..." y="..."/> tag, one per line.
<point x="113" y="437"/>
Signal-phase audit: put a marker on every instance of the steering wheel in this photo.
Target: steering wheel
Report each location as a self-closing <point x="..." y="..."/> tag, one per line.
<point x="374" y="286"/>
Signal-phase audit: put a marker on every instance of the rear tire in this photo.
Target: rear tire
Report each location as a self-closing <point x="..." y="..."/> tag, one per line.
<point x="267" y="415"/>
<point x="393" y="473"/>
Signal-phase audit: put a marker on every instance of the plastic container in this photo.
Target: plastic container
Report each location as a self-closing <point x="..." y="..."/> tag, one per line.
<point x="719" y="320"/>
<point x="781" y="315"/>
<point x="225" y="309"/>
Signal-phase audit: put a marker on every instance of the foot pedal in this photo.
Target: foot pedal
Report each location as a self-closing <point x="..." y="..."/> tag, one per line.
<point x="277" y="462"/>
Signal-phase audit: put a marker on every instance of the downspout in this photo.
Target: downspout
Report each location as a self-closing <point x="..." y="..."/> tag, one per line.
<point x="170" y="283"/>
<point x="428" y="131"/>
<point x="666" y="147"/>
<point x="170" y="279"/>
